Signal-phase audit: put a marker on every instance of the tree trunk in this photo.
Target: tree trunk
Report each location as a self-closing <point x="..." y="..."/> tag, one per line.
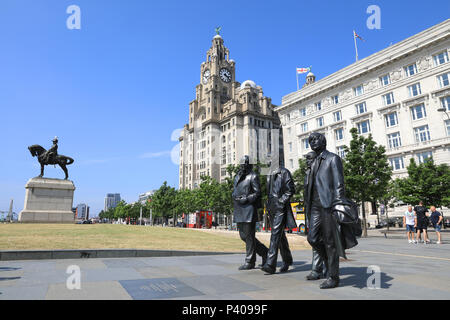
<point x="364" y="220"/>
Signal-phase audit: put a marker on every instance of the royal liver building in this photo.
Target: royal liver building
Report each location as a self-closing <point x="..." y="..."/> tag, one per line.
<point x="226" y="121"/>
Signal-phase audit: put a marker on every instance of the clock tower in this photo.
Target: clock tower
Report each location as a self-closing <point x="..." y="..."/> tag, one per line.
<point x="226" y="120"/>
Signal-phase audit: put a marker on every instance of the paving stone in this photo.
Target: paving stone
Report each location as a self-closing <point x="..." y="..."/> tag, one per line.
<point x="124" y="263"/>
<point x="23" y="293"/>
<point x="164" y="288"/>
<point x="104" y="290"/>
<point x="110" y="274"/>
<point x="218" y="285"/>
<point x="164" y="272"/>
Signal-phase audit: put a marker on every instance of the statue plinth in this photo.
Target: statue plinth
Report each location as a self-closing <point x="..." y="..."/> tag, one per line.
<point x="48" y="200"/>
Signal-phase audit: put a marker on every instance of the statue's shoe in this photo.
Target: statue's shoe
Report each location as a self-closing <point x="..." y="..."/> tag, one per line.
<point x="313" y="276"/>
<point x="247" y="266"/>
<point x="264" y="259"/>
<point x="268" y="269"/>
<point x="285" y="267"/>
<point x="330" y="283"/>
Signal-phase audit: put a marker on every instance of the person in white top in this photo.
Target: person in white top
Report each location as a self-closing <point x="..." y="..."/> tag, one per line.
<point x="409" y="221"/>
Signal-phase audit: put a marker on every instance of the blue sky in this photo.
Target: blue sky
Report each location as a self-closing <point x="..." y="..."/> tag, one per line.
<point x="115" y="90"/>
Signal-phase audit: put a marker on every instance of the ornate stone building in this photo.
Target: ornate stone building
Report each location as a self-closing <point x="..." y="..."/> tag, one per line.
<point x="398" y="95"/>
<point x="226" y="121"/>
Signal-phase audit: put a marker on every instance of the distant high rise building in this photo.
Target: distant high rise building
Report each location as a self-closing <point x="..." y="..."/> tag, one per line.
<point x="111" y="200"/>
<point x="144" y="196"/>
<point x="82" y="211"/>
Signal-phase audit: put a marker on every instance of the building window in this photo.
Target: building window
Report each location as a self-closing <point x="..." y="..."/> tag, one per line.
<point x="304" y="126"/>
<point x="290" y="146"/>
<point x="422" y="156"/>
<point x="388" y="98"/>
<point x="303" y="112"/>
<point x="447" y="125"/>
<point x="337" y="116"/>
<point x="361" y="108"/>
<point x="289" y="131"/>
<point x="318" y="106"/>
<point x="418" y="112"/>
<point x="445" y="103"/>
<point x="440" y="58"/>
<point x="443" y="80"/>
<point x="411" y="70"/>
<point x="397" y="163"/>
<point x="320" y="122"/>
<point x="335" y="99"/>
<point x="340" y="151"/>
<point x="291" y="163"/>
<point x="364" y="127"/>
<point x="339" y="134"/>
<point x="414" y="90"/>
<point x="305" y="144"/>
<point x="391" y="119"/>
<point x="359" y="90"/>
<point x="422" y="133"/>
<point x="385" y="80"/>
<point x="394" y="140"/>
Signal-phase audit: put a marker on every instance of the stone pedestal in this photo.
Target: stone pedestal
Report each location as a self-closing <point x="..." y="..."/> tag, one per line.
<point x="48" y="200"/>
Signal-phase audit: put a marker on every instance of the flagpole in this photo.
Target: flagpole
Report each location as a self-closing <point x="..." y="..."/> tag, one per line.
<point x="356" y="46"/>
<point x="296" y="75"/>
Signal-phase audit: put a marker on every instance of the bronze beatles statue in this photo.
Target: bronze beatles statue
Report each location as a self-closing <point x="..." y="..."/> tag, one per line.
<point x="334" y="222"/>
<point x="50" y="156"/>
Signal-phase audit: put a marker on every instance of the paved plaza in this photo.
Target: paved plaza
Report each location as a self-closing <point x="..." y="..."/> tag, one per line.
<point x="408" y="271"/>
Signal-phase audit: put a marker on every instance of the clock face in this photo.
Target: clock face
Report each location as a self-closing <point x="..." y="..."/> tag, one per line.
<point x="206" y="75"/>
<point x="225" y="75"/>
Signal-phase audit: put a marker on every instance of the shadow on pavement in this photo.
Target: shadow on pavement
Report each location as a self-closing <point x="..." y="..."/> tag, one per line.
<point x="359" y="278"/>
<point x="8" y="269"/>
<point x="9" y="278"/>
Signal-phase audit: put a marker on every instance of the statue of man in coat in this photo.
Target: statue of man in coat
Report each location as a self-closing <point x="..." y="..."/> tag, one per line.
<point x="280" y="189"/>
<point x="327" y="202"/>
<point x="246" y="200"/>
<point x="318" y="266"/>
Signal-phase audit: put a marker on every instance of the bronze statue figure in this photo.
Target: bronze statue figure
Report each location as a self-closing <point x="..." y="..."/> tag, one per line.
<point x="280" y="189"/>
<point x="246" y="200"/>
<point x="50" y="156"/>
<point x="333" y="226"/>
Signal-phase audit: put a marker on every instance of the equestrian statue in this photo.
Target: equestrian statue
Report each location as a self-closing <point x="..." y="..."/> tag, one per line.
<point x="50" y="156"/>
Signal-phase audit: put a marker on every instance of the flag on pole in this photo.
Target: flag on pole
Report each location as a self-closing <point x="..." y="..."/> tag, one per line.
<point x="303" y="70"/>
<point x="357" y="36"/>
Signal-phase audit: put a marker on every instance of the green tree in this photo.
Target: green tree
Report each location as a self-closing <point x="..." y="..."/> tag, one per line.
<point x="366" y="171"/>
<point x="163" y="202"/>
<point x="299" y="180"/>
<point x="427" y="182"/>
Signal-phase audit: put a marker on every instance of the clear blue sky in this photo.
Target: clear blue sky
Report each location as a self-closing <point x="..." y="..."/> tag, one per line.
<point x="114" y="91"/>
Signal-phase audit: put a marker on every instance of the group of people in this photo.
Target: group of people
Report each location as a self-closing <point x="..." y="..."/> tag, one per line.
<point x="416" y="221"/>
<point x="333" y="219"/>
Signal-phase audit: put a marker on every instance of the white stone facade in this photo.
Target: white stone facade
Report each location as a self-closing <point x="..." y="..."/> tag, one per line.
<point x="362" y="96"/>
<point x="379" y="94"/>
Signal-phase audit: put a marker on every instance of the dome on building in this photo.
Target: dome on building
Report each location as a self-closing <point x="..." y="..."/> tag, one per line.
<point x="310" y="74"/>
<point x="248" y="83"/>
<point x="217" y="36"/>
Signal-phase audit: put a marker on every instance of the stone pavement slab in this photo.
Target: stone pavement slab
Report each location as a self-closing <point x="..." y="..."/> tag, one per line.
<point x="407" y="271"/>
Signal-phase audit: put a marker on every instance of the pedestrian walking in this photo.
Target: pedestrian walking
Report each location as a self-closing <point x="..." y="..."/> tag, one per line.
<point x="436" y="219"/>
<point x="409" y="220"/>
<point x="421" y="222"/>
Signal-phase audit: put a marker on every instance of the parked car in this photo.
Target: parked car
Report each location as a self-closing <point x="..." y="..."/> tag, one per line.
<point x="87" y="222"/>
<point x="446" y="223"/>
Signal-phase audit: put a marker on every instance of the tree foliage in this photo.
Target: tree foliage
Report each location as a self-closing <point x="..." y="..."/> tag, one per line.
<point x="426" y="182"/>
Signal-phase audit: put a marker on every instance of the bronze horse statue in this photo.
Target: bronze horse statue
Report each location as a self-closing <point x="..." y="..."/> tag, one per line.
<point x="40" y="153"/>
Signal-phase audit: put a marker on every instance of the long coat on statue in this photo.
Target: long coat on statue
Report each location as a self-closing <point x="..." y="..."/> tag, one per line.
<point x="246" y="185"/>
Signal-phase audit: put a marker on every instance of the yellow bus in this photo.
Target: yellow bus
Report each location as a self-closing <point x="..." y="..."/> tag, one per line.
<point x="299" y="214"/>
